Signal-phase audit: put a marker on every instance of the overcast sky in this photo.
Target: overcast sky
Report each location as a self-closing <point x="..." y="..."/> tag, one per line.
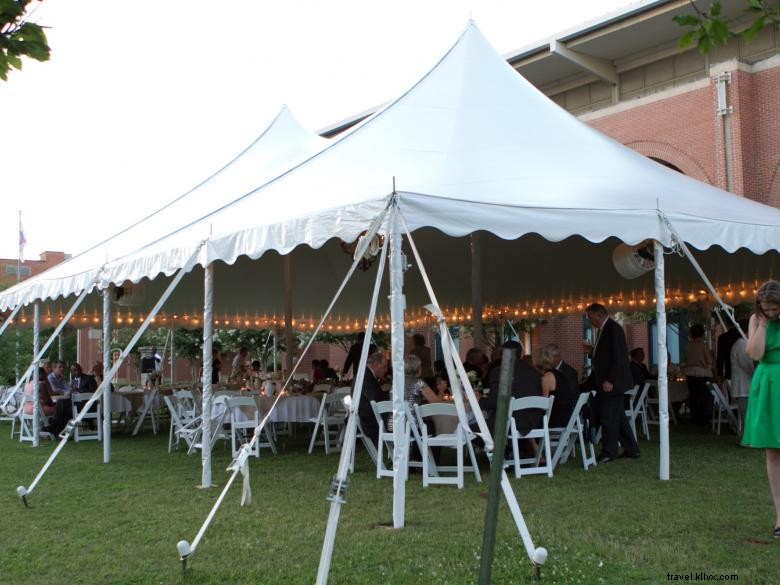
<point x="143" y="99"/>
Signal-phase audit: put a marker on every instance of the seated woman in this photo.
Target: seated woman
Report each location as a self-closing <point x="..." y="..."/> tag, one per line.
<point x="439" y="392"/>
<point x="44" y="395"/>
<point x="556" y="383"/>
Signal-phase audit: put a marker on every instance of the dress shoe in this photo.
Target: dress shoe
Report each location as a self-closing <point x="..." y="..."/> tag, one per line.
<point x="629" y="455"/>
<point x="603" y="459"/>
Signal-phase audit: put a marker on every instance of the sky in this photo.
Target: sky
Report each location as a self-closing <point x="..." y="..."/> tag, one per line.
<point x="141" y="100"/>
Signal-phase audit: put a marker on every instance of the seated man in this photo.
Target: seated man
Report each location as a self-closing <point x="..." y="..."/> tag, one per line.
<point x="376" y="368"/>
<point x="526" y="381"/>
<point x="57" y="381"/>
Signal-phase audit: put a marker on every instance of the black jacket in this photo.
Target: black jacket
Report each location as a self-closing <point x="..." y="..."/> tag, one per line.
<point x="610" y="361"/>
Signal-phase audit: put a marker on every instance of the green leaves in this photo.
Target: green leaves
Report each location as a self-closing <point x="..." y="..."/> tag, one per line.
<point x="19" y="38"/>
<point x="709" y="29"/>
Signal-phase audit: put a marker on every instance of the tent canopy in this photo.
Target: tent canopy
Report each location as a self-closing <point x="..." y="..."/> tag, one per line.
<point x="471" y="147"/>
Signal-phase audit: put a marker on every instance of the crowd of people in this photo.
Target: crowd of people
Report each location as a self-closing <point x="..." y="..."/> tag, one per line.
<point x="55" y="393"/>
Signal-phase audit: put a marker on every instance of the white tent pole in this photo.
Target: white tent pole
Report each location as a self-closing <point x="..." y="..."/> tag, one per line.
<point x="23" y="492"/>
<point x="289" y="340"/>
<point x="663" y="380"/>
<point x="274" y="349"/>
<point x="339" y="482"/>
<point x="397" y="306"/>
<point x="37" y="356"/>
<point x="170" y="331"/>
<point x="208" y="334"/>
<point x="106" y="367"/>
<point x="478" y="333"/>
<point x="36" y="400"/>
<point x="728" y="309"/>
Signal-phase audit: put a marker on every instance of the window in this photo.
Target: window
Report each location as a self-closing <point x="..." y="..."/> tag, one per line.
<point x="10" y="269"/>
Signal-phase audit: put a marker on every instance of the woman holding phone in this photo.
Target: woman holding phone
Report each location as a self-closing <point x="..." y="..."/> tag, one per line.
<point x="762" y="421"/>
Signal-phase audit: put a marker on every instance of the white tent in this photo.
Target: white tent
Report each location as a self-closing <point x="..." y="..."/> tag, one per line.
<point x="471" y="147"/>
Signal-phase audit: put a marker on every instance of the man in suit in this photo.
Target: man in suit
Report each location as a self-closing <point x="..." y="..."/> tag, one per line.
<point x="724" y="345"/>
<point x="568" y="371"/>
<point x="376" y="368"/>
<point x="611" y="377"/>
<point x="526" y="381"/>
<point x="639" y="372"/>
<point x="353" y="355"/>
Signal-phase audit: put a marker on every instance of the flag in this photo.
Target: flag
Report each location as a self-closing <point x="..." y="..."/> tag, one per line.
<point x="22" y="242"/>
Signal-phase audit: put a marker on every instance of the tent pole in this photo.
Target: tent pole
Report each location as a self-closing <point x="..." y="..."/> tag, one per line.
<point x="208" y="334"/>
<point x="397" y="306"/>
<point x="288" y="310"/>
<point x="476" y="290"/>
<point x="171" y="356"/>
<point x="275" y="346"/>
<point x="36" y="400"/>
<point x="106" y="367"/>
<point x="663" y="380"/>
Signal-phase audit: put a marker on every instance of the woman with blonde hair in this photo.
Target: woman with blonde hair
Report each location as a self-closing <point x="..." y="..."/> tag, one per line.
<point x="762" y="421"/>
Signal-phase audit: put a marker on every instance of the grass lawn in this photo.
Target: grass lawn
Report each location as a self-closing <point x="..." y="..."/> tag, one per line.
<point x="119" y="523"/>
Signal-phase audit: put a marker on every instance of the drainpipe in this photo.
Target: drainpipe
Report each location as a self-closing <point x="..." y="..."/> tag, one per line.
<point x="724" y="111"/>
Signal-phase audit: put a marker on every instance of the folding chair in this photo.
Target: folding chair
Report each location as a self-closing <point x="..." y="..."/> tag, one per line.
<point x="563" y="439"/>
<point x="11" y="413"/>
<point x="82" y="431"/>
<point x="455" y="440"/>
<point x="638" y="409"/>
<point x="180" y="428"/>
<point x="26" y="422"/>
<point x="531" y="403"/>
<point x="149" y="410"/>
<point x="216" y="421"/>
<point x="331" y="418"/>
<point x="386" y="438"/>
<point x="652" y="415"/>
<point x="723" y="411"/>
<point x="245" y="416"/>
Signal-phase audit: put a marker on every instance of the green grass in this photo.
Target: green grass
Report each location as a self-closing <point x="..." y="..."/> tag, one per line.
<point x="119" y="523"/>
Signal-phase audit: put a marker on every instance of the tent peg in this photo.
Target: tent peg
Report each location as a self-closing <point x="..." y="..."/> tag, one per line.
<point x="184" y="553"/>
<point x="21" y="491"/>
<point x="539" y="558"/>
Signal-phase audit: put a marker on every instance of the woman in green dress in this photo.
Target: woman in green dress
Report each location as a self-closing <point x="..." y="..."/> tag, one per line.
<point x="762" y="421"/>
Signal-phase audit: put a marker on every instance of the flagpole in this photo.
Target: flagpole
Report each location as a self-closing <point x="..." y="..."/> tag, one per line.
<point x="18" y="278"/>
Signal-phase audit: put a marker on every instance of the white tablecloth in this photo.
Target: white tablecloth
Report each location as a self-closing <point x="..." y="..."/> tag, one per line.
<point x="289" y="409"/>
<point x="133" y="400"/>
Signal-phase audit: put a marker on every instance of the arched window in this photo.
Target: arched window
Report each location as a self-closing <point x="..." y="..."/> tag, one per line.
<point x="660" y="161"/>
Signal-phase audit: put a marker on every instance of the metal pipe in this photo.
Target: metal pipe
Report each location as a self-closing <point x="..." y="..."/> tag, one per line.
<point x="106" y="367"/>
<point x="208" y="334"/>
<point x="397" y="306"/>
<point x="663" y="381"/>
<point x="36" y="390"/>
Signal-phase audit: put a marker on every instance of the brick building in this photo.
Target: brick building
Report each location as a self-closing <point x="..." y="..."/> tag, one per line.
<point x="28" y="268"/>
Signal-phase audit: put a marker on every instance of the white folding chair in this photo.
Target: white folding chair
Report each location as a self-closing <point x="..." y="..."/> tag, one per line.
<point x="219" y="413"/>
<point x="723" y="411"/>
<point x="149" y="409"/>
<point x="385" y="440"/>
<point x="180" y="428"/>
<point x="11" y="413"/>
<point x="331" y="419"/>
<point x="651" y="406"/>
<point x="563" y="439"/>
<point x="82" y="431"/>
<point x="455" y="440"/>
<point x="244" y="419"/>
<point x="26" y="422"/>
<point x="638" y="409"/>
<point x="534" y="463"/>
